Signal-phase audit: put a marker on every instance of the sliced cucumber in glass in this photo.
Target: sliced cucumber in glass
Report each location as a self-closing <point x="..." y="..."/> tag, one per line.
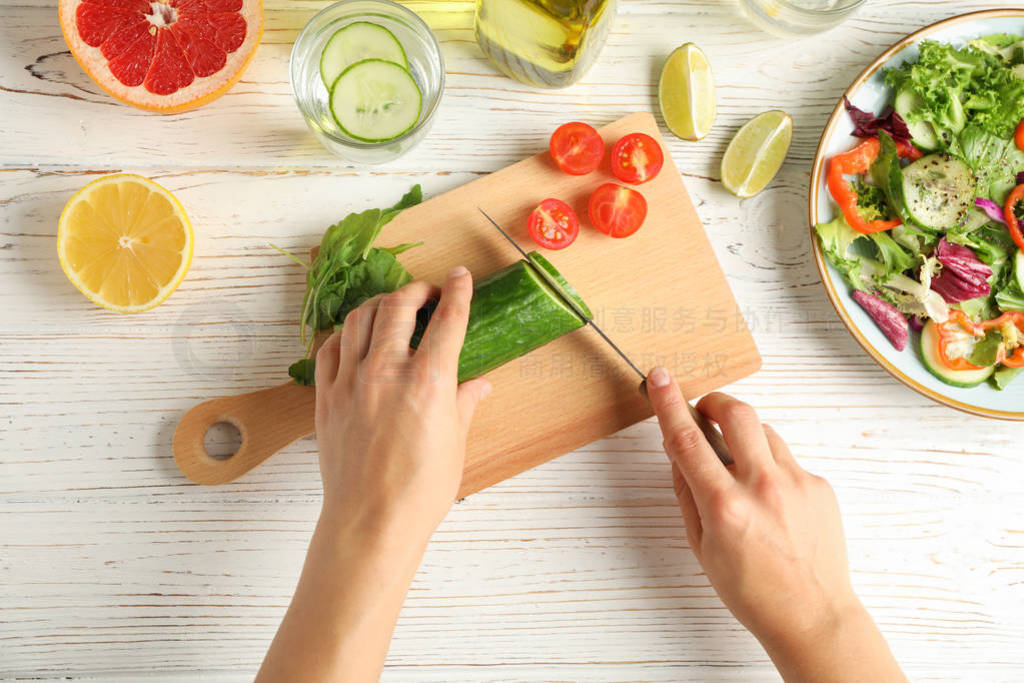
<point x="355" y="42"/>
<point x="375" y="100"/>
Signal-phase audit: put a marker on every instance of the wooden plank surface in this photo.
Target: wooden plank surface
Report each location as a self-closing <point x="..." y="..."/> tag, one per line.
<point x="114" y="567"/>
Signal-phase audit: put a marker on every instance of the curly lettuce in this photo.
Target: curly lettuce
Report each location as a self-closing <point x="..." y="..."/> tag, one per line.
<point x="959" y="84"/>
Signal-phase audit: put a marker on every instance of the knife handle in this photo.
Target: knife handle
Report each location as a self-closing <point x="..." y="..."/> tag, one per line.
<point x="711" y="433"/>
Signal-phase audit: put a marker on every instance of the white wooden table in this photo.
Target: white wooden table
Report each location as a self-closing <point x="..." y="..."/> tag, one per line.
<point x="113" y="566"/>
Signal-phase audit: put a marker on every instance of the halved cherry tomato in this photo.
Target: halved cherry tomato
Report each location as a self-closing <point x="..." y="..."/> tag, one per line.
<point x="576" y="148"/>
<point x="616" y="210"/>
<point x="1018" y="135"/>
<point x="636" y="158"/>
<point x="553" y="224"/>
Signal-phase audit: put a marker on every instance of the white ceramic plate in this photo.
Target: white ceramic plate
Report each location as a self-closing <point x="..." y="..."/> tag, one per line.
<point x="869" y="92"/>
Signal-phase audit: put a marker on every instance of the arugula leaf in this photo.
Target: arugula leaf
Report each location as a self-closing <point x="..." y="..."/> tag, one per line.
<point x="347" y="271"/>
<point x="303" y="371"/>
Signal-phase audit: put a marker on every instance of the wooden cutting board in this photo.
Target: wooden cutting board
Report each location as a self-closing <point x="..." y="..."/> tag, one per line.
<point x="659" y="294"/>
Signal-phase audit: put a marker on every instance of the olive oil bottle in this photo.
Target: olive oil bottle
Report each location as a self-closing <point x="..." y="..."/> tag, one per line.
<point x="544" y="43"/>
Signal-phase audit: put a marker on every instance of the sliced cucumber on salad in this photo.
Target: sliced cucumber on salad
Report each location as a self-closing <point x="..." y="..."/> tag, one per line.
<point x="956" y="378"/>
<point x="906" y="102"/>
<point x="1018" y="269"/>
<point x="937" y="191"/>
<point x="375" y="101"/>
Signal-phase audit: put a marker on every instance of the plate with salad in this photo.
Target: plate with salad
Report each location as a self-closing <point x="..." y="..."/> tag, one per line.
<point x="917" y="211"/>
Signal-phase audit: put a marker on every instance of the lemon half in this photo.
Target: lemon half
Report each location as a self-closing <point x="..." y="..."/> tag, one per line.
<point x="124" y="242"/>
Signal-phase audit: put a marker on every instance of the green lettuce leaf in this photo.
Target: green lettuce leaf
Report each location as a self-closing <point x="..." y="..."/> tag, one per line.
<point x="977" y="83"/>
<point x="995" y="162"/>
<point x="1004" y="376"/>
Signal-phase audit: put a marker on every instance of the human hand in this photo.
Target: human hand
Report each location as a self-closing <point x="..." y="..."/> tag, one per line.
<point x="769" y="537"/>
<point x="391" y="422"/>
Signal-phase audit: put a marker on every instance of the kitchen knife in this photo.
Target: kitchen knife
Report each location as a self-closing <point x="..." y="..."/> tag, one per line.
<point x="713" y="436"/>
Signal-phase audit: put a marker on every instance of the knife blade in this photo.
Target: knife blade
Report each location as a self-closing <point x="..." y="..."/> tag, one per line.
<point x="713" y="436"/>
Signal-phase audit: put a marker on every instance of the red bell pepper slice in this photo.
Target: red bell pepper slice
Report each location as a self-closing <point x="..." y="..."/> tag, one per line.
<point x="1010" y="214"/>
<point x="858" y="161"/>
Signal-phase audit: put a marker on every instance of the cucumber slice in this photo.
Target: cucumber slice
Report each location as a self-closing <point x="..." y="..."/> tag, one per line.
<point x="559" y="283"/>
<point x="1018" y="269"/>
<point x="355" y="42"/>
<point x="906" y="102"/>
<point x="938" y="190"/>
<point x="375" y="101"/>
<point x="956" y="378"/>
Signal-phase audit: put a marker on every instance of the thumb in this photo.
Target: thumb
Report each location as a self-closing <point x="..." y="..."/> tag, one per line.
<point x="468" y="395"/>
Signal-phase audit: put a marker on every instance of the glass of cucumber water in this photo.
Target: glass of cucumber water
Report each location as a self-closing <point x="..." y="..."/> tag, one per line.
<point x="367" y="76"/>
<point x="788" y="18"/>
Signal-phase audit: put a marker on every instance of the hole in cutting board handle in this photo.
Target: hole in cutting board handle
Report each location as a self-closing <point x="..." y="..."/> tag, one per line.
<point x="222" y="440"/>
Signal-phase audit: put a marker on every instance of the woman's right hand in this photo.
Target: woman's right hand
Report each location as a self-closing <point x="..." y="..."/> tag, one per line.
<point x="769" y="537"/>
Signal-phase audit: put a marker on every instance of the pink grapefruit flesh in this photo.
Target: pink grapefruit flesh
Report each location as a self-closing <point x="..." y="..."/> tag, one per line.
<point x="163" y="55"/>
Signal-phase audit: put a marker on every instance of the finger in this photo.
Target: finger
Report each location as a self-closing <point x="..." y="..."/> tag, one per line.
<point x="356" y="333"/>
<point x="780" y="449"/>
<point x="684" y="443"/>
<point x="396" y="315"/>
<point x="327" y="360"/>
<point x="688" y="507"/>
<point x="446" y="331"/>
<point x="468" y="397"/>
<point x="742" y="431"/>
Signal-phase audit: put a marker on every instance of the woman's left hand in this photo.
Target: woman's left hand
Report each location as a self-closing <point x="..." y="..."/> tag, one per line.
<point x="391" y="422"/>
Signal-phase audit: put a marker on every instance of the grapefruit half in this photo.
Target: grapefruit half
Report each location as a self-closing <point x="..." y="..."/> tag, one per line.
<point x="163" y="55"/>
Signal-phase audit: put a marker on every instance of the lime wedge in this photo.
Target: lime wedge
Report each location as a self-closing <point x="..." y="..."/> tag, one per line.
<point x="686" y="93"/>
<point x="754" y="156"/>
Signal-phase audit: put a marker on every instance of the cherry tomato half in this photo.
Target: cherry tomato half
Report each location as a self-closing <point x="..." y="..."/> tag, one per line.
<point x="553" y="224"/>
<point x="636" y="158"/>
<point x="576" y="148"/>
<point x="616" y="210"/>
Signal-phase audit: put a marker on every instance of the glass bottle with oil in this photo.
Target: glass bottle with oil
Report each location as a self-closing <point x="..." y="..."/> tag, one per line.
<point x="544" y="43"/>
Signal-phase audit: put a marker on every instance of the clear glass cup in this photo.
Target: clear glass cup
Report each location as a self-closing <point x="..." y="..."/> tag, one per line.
<point x="799" y="17"/>
<point x="426" y="65"/>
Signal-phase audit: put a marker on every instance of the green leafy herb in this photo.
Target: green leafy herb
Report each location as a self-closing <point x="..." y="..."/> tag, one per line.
<point x="871" y="201"/>
<point x="347" y="271"/>
<point x="303" y="371"/>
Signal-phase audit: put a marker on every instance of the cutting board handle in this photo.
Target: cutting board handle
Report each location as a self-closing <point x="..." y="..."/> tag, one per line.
<point x="268" y="420"/>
